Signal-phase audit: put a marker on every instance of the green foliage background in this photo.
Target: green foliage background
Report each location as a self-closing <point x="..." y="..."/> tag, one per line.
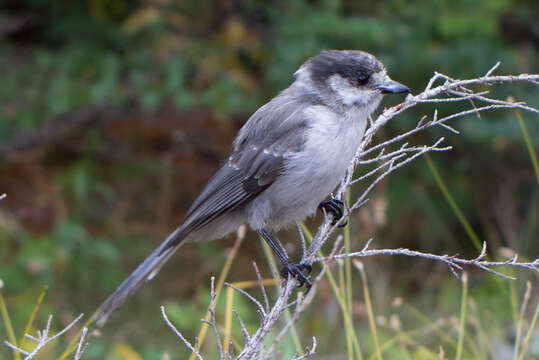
<point x="167" y="83"/>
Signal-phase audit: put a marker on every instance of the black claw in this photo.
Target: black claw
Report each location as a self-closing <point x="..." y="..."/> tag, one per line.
<point x="297" y="271"/>
<point x="336" y="208"/>
<point x="344" y="223"/>
<point x="306" y="268"/>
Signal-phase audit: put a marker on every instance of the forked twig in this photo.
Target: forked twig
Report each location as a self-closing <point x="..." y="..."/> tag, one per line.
<point x="42" y="339"/>
<point x="179" y="334"/>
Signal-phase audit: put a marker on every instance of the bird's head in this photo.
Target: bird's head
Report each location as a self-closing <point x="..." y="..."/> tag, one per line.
<point x="349" y="78"/>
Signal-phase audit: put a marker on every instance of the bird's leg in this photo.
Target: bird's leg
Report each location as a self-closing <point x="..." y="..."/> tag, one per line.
<point x="295" y="270"/>
<point x="336" y="208"/>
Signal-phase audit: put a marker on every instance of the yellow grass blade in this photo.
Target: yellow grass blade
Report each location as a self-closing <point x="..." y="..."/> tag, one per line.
<point x="347" y="278"/>
<point x="463" y="313"/>
<point x="530" y="332"/>
<point x="125" y="352"/>
<point x="220" y="282"/>
<point x="527" y="295"/>
<point x="202" y="334"/>
<point x="230" y="301"/>
<point x="341" y="298"/>
<point x="368" y="304"/>
<point x="228" y="319"/>
<point x="34" y="313"/>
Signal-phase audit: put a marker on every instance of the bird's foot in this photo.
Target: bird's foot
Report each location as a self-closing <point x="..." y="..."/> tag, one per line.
<point x="299" y="272"/>
<point x="336" y="208"/>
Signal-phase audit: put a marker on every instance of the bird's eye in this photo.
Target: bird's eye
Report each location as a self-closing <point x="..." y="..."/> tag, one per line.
<point x="362" y="79"/>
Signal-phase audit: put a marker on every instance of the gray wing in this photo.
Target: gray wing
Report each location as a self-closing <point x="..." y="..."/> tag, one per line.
<point x="274" y="133"/>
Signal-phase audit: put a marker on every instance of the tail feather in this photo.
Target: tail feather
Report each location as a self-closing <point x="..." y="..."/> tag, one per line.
<point x="144" y="272"/>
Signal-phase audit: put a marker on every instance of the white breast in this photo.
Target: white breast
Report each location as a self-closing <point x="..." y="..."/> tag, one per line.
<point x="332" y="139"/>
<point x="331" y="142"/>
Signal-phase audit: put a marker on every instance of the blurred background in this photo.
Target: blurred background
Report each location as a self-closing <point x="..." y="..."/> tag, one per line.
<point x="114" y="113"/>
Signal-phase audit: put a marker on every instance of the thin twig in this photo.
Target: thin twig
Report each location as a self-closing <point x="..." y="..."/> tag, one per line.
<point x="179" y="334"/>
<point x="248" y="296"/>
<point x="43" y="338"/>
<point x="243" y="328"/>
<point x="81" y="348"/>
<point x="212" y="312"/>
<point x="493" y="68"/>
<point x="262" y="287"/>
<point x="452" y="261"/>
<point x="302" y="238"/>
<point x="309" y="352"/>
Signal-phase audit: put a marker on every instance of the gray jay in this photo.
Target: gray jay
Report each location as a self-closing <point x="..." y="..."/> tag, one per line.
<point x="286" y="159"/>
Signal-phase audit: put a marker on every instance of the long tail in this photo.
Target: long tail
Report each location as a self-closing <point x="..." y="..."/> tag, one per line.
<point x="144" y="272"/>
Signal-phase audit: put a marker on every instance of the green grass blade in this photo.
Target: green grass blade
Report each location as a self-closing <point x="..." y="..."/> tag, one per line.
<point x="72" y="346"/>
<point x="348" y="261"/>
<point x="9" y="327"/>
<point x="529" y="144"/>
<point x="347" y="317"/>
<point x="444" y="336"/>
<point x="456" y="209"/>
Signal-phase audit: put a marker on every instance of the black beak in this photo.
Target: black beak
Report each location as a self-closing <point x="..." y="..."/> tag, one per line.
<point x="393" y="87"/>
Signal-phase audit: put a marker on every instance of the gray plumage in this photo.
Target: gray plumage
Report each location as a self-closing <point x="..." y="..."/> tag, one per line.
<point x="286" y="159"/>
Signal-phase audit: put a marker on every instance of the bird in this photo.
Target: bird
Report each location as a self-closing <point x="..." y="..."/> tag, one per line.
<point x="286" y="160"/>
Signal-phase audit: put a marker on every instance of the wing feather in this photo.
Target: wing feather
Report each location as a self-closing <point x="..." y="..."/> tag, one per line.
<point x="268" y="138"/>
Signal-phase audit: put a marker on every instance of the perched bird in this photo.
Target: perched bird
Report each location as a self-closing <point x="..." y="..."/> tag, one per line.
<point x="286" y="159"/>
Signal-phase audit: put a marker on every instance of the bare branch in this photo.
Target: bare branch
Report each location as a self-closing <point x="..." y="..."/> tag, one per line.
<point x="179" y="334"/>
<point x="43" y="338"/>
<point x="492" y="69"/>
<point x="302" y="238"/>
<point x="309" y="352"/>
<point x="398" y="155"/>
<point x="262" y="288"/>
<point x="452" y="261"/>
<point x="462" y="98"/>
<point x="213" y="296"/>
<point x="243" y="328"/>
<point x="81" y="348"/>
<point x="392" y="167"/>
<point x="389" y="162"/>
<point x="257" y="339"/>
<point x="248" y="296"/>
